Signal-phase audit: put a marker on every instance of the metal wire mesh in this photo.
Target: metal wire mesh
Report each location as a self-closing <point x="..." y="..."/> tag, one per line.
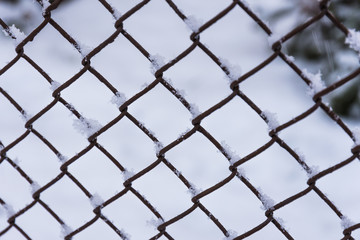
<point x="161" y="158"/>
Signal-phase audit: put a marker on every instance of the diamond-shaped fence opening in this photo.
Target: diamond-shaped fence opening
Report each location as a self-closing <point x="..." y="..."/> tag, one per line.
<point x="161" y="119"/>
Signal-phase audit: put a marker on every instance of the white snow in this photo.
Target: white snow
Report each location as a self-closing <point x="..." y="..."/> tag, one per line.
<point x="144" y="85"/>
<point x="118" y="99"/>
<point x="356" y="135"/>
<point x="71" y="108"/>
<point x="267" y="202"/>
<point x="45" y="4"/>
<point x="231" y="153"/>
<point x="232" y="234"/>
<point x="9" y="210"/>
<point x="290" y="58"/>
<point x="193" y="23"/>
<point x="2" y="211"/>
<point x="273" y="38"/>
<point x="125" y="234"/>
<point x="54" y="85"/>
<point x="313" y="169"/>
<point x="16" y="161"/>
<point x="184" y="133"/>
<point x="281" y="222"/>
<point x="149" y="130"/>
<point x="316" y="84"/>
<point x="65" y="230"/>
<point x="116" y="14"/>
<point x="62" y="158"/>
<point x="17" y="33"/>
<point x="193" y="190"/>
<point x="234" y="70"/>
<point x="127" y="174"/>
<point x="194" y="110"/>
<point x="353" y="40"/>
<point x="157" y="61"/>
<point x="83" y="48"/>
<point x="346" y="222"/>
<point x="181" y="92"/>
<point x="271" y="119"/>
<point x="34" y="187"/>
<point x="158" y="147"/>
<point x="86" y="126"/>
<point x="154" y="222"/>
<point x="96" y="200"/>
<point x="26" y="116"/>
<point x="178" y="173"/>
<point x="241" y="172"/>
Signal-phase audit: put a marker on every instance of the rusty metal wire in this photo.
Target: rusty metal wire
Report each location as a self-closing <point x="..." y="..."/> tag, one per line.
<point x="323" y="12"/>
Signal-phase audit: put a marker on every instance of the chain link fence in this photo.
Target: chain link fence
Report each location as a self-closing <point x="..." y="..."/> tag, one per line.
<point x="93" y="130"/>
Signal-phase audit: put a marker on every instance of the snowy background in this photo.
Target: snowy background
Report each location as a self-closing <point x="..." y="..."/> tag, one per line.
<point x="276" y="89"/>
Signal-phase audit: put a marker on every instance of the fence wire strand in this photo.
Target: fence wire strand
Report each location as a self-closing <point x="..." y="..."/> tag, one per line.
<point x="235" y="164"/>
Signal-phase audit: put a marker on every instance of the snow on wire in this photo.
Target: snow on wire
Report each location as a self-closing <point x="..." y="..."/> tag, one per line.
<point x="86" y="126"/>
<point x="316" y="83"/>
<point x="129" y="178"/>
<point x="15" y="33"/>
<point x="353" y="40"/>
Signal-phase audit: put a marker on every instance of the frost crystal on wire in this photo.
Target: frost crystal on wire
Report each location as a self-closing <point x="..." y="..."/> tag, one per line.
<point x="231" y="153"/>
<point x="62" y="158"/>
<point x="96" y="200"/>
<point x="158" y="147"/>
<point x="116" y="14"/>
<point x="281" y="222"/>
<point x="45" y="5"/>
<point x="118" y="99"/>
<point x="346" y="222"/>
<point x="234" y="70"/>
<point x="193" y="190"/>
<point x="267" y="201"/>
<point x="18" y="35"/>
<point x="353" y="40"/>
<point x="157" y="61"/>
<point x="125" y="235"/>
<point x="65" y="230"/>
<point x="316" y="84"/>
<point x="271" y="119"/>
<point x="54" y="85"/>
<point x="126" y="174"/>
<point x="313" y="170"/>
<point x="9" y="210"/>
<point x="231" y="235"/>
<point x="86" y="126"/>
<point x="194" y="110"/>
<point x="34" y="187"/>
<point x="290" y="58"/>
<point x="356" y="135"/>
<point x="273" y="38"/>
<point x="25" y="116"/>
<point x="193" y="23"/>
<point x="83" y="48"/>
<point x="155" y="222"/>
<point x="240" y="173"/>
